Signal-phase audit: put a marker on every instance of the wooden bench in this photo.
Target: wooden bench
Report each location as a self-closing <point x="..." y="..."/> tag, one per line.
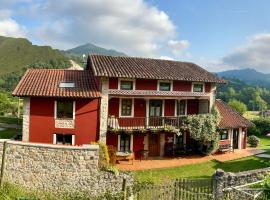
<point x="225" y="148"/>
<point x="124" y="156"/>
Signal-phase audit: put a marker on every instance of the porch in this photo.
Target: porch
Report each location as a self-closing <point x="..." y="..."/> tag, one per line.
<point x="161" y="162"/>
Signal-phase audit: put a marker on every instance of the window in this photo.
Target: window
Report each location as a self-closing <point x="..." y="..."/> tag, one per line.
<point x="126" y="85"/>
<point x="164" y="86"/>
<point x="65" y="139"/>
<point x="67" y="85"/>
<point x="126" y="107"/>
<point x="224" y="135"/>
<point x="181" y="107"/>
<point x="125" y="143"/>
<point x="197" y="87"/>
<point x="64" y="110"/>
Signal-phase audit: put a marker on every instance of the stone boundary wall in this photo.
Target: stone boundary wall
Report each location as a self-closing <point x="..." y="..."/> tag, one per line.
<point x="229" y="179"/>
<point x="59" y="169"/>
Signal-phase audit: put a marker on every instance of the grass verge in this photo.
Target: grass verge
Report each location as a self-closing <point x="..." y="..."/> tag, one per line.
<point x="201" y="170"/>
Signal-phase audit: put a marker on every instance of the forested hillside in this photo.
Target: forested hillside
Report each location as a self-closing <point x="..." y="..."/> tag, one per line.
<point x="18" y="54"/>
<point x="255" y="98"/>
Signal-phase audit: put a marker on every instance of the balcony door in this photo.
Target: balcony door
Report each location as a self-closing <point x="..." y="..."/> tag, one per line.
<point x="155" y="113"/>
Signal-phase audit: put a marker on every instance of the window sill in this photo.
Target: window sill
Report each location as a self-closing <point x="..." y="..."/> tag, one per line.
<point x="64" y="123"/>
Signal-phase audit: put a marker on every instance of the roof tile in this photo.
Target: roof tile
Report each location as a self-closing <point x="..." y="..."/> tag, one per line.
<point x="45" y="83"/>
<point x="133" y="67"/>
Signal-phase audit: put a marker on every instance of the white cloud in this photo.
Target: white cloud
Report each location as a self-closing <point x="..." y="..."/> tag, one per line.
<point x="179" y="47"/>
<point x="166" y="58"/>
<point x="254" y="54"/>
<point x="132" y="26"/>
<point x="9" y="27"/>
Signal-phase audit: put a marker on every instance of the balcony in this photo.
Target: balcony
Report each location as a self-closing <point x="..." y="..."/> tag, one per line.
<point x="145" y="123"/>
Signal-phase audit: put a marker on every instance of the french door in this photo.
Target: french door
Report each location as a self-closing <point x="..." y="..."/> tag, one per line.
<point x="155" y="113"/>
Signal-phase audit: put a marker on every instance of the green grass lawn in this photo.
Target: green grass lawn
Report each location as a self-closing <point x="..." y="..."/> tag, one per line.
<point x="8" y="133"/>
<point x="202" y="170"/>
<point x="10" y="120"/>
<point x="264" y="143"/>
<point x="252" y="115"/>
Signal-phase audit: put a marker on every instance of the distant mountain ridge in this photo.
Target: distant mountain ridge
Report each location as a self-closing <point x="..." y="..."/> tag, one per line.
<point x="92" y="49"/>
<point x="249" y="76"/>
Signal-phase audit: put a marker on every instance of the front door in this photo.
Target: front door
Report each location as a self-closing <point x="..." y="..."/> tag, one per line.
<point x="235" y="138"/>
<point x="155" y="112"/>
<point x="154" y="144"/>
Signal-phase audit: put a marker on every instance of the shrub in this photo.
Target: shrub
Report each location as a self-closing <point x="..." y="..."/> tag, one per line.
<point x="253" y="141"/>
<point x="262" y="126"/>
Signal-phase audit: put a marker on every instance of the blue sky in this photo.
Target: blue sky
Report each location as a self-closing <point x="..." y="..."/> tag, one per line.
<point x="218" y="35"/>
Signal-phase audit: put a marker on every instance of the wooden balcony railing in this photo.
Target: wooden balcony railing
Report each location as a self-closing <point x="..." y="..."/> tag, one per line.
<point x="144" y="123"/>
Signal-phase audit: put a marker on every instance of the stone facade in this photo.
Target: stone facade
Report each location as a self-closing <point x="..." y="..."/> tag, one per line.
<point x="26" y="119"/>
<point x="104" y="106"/>
<point x="229" y="179"/>
<point x="59" y="169"/>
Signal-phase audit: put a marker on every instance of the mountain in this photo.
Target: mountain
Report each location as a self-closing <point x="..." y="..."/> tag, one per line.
<point x="18" y="53"/>
<point x="92" y="49"/>
<point x="249" y="76"/>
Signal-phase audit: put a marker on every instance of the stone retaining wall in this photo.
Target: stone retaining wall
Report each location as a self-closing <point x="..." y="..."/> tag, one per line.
<point x="59" y="169"/>
<point x="229" y="179"/>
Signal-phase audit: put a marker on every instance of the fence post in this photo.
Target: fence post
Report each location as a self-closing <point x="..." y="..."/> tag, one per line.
<point x="3" y="163"/>
<point x="124" y="189"/>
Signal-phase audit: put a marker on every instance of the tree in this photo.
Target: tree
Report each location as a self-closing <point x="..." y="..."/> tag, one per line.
<point x="239" y="106"/>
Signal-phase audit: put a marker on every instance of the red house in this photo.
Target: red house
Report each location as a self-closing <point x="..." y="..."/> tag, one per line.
<point x="131" y="103"/>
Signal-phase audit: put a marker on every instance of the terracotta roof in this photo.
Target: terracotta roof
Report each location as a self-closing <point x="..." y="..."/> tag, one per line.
<point x="229" y="117"/>
<point x="45" y="83"/>
<point x="156" y="93"/>
<point x="132" y="67"/>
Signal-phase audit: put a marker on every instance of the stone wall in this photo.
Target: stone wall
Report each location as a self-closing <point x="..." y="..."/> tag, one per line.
<point x="59" y="169"/>
<point x="229" y="179"/>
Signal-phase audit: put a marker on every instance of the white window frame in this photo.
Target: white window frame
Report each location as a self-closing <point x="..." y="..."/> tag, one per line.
<point x="164" y="81"/>
<point x="131" y="143"/>
<point x="72" y="142"/>
<point x="176" y="107"/>
<point x="132" y="108"/>
<point x="55" y="109"/>
<point x="228" y="135"/>
<point x="193" y="83"/>
<point x="125" y="79"/>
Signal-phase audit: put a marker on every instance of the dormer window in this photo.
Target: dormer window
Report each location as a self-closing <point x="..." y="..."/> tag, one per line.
<point x="67" y="85"/>
<point x="164" y="86"/>
<point x="198" y="87"/>
<point x="126" y="85"/>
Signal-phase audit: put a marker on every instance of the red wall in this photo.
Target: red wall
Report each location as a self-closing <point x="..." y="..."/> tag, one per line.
<point x="192" y="106"/>
<point x="244" y="138"/>
<point x="222" y="142"/>
<point x="144" y="84"/>
<point x="86" y="121"/>
<point x="207" y="87"/>
<point x="114" y="107"/>
<point x="182" y="86"/>
<point x="169" y="107"/>
<point x="138" y="144"/>
<point x="112" y="139"/>
<point x="113" y="83"/>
